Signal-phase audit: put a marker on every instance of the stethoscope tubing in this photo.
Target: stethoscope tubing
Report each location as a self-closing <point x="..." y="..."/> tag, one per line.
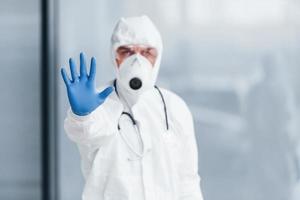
<point x="140" y="155"/>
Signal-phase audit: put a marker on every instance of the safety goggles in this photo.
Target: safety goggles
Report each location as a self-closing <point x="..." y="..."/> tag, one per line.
<point x="125" y="51"/>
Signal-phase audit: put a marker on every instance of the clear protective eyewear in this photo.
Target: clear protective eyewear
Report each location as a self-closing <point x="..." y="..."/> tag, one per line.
<point x="125" y="51"/>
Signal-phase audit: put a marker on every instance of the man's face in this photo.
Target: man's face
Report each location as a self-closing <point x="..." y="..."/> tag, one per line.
<point x="125" y="51"/>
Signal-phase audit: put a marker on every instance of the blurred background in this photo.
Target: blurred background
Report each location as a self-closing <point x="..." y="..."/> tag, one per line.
<point x="235" y="63"/>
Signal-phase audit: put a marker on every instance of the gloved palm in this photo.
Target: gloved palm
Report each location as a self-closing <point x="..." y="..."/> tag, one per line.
<point x="82" y="93"/>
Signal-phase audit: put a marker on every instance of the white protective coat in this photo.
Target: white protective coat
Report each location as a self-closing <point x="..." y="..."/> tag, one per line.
<point x="168" y="167"/>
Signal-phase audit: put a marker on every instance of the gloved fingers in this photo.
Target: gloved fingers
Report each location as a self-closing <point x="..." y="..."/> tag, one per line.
<point x="92" y="69"/>
<point x="82" y="66"/>
<point x="106" y="92"/>
<point x="73" y="69"/>
<point x="65" y="76"/>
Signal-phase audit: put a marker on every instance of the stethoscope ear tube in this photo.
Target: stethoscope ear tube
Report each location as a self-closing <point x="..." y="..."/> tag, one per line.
<point x="124" y="138"/>
<point x="165" y="107"/>
<point x="130" y="116"/>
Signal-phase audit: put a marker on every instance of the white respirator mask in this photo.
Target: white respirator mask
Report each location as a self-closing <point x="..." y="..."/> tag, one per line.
<point x="135" y="75"/>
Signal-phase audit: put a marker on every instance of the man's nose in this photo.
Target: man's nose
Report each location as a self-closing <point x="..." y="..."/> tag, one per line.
<point x="137" y="60"/>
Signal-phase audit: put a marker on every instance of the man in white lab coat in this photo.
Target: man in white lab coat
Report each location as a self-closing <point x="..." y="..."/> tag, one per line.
<point x="136" y="140"/>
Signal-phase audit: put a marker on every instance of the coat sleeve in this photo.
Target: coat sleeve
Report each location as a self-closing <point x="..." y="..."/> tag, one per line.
<point x="89" y="133"/>
<point x="189" y="178"/>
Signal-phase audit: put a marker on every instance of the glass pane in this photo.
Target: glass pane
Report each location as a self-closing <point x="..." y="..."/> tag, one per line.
<point x="20" y="100"/>
<point x="235" y="63"/>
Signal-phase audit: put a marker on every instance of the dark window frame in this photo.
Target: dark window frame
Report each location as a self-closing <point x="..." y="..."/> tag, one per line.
<point x="49" y="150"/>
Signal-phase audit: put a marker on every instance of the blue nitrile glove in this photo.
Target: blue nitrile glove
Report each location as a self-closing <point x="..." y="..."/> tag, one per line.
<point x="82" y="93"/>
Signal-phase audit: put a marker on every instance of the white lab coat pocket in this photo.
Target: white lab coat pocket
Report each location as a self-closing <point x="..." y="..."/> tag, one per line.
<point x="170" y="138"/>
<point x="110" y="174"/>
<point x="172" y="144"/>
<point x="116" y="188"/>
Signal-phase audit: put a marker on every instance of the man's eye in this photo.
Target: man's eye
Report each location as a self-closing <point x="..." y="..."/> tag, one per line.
<point x="147" y="53"/>
<point x="127" y="52"/>
<point x="124" y="53"/>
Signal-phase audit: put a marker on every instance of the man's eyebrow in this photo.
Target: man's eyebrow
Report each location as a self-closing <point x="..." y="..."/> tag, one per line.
<point x="123" y="48"/>
<point x="149" y="48"/>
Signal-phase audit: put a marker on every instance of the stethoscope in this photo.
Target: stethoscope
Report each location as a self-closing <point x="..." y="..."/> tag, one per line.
<point x="139" y="155"/>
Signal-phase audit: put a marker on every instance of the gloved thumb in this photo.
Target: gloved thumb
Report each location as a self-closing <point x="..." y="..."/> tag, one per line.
<point x="106" y="92"/>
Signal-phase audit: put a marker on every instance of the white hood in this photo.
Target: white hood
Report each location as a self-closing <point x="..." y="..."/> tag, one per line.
<point x="136" y="30"/>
